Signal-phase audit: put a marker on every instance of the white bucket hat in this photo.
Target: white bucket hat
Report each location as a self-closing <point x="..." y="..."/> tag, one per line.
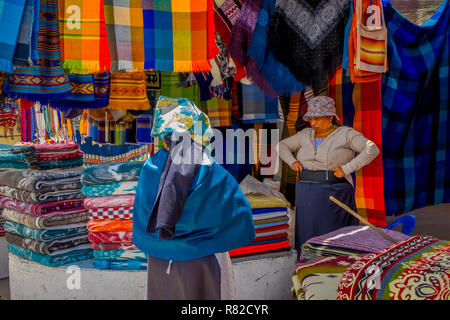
<point x="320" y="107"/>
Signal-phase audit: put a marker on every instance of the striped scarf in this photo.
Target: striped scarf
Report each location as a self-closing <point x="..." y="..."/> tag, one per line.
<point x="124" y="28"/>
<point x="84" y="44"/>
<point x="179" y="35"/>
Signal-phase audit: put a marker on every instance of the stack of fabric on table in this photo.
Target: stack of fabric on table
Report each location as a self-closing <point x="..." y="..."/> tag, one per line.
<point x="45" y="217"/>
<point x="271" y="220"/>
<point x="58" y="155"/>
<point x="110" y="189"/>
<point x="2" y="222"/>
<point x="17" y="157"/>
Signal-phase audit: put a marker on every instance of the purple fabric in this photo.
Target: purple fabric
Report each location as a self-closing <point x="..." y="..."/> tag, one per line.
<point x="360" y="238"/>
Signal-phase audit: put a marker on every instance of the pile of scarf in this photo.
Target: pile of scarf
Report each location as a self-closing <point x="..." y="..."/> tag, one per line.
<point x="58" y="156"/>
<point x="17" y="157"/>
<point x="111" y="214"/>
<point x="45" y="217"/>
<point x="271" y="221"/>
<point x="179" y="35"/>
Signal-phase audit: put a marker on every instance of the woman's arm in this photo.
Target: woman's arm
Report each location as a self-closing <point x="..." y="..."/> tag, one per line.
<point x="366" y="149"/>
<point x="288" y="146"/>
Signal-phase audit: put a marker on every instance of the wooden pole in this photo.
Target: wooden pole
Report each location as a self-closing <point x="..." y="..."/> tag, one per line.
<point x="363" y="220"/>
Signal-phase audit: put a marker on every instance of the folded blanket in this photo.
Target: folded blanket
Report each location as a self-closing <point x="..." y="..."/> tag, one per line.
<point x="121" y="265"/>
<point x="111" y="237"/>
<point x="108" y="202"/>
<point x="278" y="236"/>
<point x="110" y="225"/>
<point x="259" y="200"/>
<point x="40" y="234"/>
<point x="51" y="261"/>
<point x="111" y="213"/>
<point x="113" y="246"/>
<point x="270" y="220"/>
<point x="48" y="222"/>
<point x="58" y="156"/>
<point x="111" y="172"/>
<point x="261" y="248"/>
<point x="38" y="181"/>
<point x="64" y="164"/>
<point x="271" y="233"/>
<point x="56" y="147"/>
<point x="54" y="247"/>
<point x="109" y="189"/>
<point x="31" y="197"/>
<point x="271" y="227"/>
<point x="120" y="255"/>
<point x="28" y="151"/>
<point x="14" y="164"/>
<point x="9" y="156"/>
<point x="55" y="207"/>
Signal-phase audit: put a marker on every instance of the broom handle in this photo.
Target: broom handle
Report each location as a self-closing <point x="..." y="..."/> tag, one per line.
<point x="353" y="213"/>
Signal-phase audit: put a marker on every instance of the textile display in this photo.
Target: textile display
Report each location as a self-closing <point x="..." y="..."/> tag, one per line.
<point x="172" y="89"/>
<point x="119" y="255"/>
<point x="111" y="213"/>
<point x="109" y="189"/>
<point x="113" y="246"/>
<point x="111" y="237"/>
<point x="225" y="17"/>
<point x="120" y="264"/>
<point x="125" y="225"/>
<point x="51" y="261"/>
<point x="260" y="248"/>
<point x="218" y="111"/>
<point x="64" y="164"/>
<point x="125" y="34"/>
<point x="36" y="198"/>
<point x="42" y="234"/>
<point x="45" y="80"/>
<point x="128" y="91"/>
<point x="189" y="24"/>
<point x="54" y="247"/>
<point x="144" y="128"/>
<point x="307" y="36"/>
<point x="11" y="24"/>
<point x="415" y="117"/>
<point x="256" y="106"/>
<point x="111" y="172"/>
<point x="413" y="269"/>
<point x="22" y="53"/>
<point x="259" y="200"/>
<point x="317" y="279"/>
<point x="48" y="222"/>
<point x="109" y="202"/>
<point x="84" y="45"/>
<point x="48" y="208"/>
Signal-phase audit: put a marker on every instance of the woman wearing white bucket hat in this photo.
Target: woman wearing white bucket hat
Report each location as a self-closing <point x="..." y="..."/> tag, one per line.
<point x="325" y="159"/>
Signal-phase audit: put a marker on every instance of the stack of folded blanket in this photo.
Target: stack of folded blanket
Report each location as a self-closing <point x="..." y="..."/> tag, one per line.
<point x="2" y="222"/>
<point x="110" y="189"/>
<point x="58" y="155"/>
<point x="45" y="217"/>
<point x="17" y="157"/>
<point x="271" y="220"/>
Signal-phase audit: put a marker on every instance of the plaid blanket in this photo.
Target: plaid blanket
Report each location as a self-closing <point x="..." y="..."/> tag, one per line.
<point x="11" y="12"/>
<point x="125" y="33"/>
<point x="84" y="45"/>
<point x="415" y="116"/>
<point x="413" y="269"/>
<point x="179" y="35"/>
<point x="218" y="111"/>
<point x="257" y="107"/>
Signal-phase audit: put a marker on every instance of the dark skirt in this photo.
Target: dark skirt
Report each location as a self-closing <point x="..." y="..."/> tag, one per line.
<point x="316" y="214"/>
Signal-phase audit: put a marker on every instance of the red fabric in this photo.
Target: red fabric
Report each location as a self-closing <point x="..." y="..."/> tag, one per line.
<point x="212" y="47"/>
<point x="105" y="57"/>
<point x="110" y="237"/>
<point x="259" y="248"/>
<point x="272" y="228"/>
<point x="271" y="237"/>
<point x="60" y="156"/>
<point x="110" y="225"/>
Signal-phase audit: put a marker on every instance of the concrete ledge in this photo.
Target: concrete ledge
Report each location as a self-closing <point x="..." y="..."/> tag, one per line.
<point x="3" y="258"/>
<point x="268" y="276"/>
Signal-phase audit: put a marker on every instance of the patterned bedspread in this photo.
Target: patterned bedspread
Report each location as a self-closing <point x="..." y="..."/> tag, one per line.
<point x="417" y="268"/>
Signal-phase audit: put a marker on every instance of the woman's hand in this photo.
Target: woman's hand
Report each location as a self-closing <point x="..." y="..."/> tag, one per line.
<point x="296" y="166"/>
<point x="338" y="172"/>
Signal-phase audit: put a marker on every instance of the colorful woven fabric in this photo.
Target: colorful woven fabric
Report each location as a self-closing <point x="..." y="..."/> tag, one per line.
<point x="84" y="44"/>
<point x="414" y="269"/>
<point x="111" y="172"/>
<point x="179" y="35"/>
<point x="11" y="12"/>
<point x="57" y="207"/>
<point x="260" y="248"/>
<point x="22" y="54"/>
<point x="170" y="88"/>
<point x="225" y="16"/>
<point x="110" y="237"/>
<point x="125" y="33"/>
<point x="42" y="234"/>
<point x="45" y="80"/>
<point x="113" y="246"/>
<point x="109" y="189"/>
<point x="257" y="107"/>
<point x="120" y="264"/>
<point x="218" y="111"/>
<point x="122" y="225"/>
<point x="108" y="202"/>
<point x="415" y="113"/>
<point x="120" y="255"/>
<point x="111" y="213"/>
<point x="128" y="91"/>
<point x="144" y="128"/>
<point x="307" y="36"/>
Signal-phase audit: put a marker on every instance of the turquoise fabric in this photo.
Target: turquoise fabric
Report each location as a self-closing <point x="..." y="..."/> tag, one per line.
<point x="51" y="261"/>
<point x="42" y="234"/>
<point x="216" y="216"/>
<point x="110" y="189"/>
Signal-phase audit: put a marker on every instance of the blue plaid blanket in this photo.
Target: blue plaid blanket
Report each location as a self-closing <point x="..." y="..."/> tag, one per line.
<point x="415" y="112"/>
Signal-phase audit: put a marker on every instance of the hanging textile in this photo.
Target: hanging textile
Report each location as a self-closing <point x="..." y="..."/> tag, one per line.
<point x="225" y="16"/>
<point x="125" y="33"/>
<point x="256" y="106"/>
<point x="9" y="112"/>
<point x="45" y="80"/>
<point x="22" y="53"/>
<point x="308" y="37"/>
<point x="84" y="45"/>
<point x="128" y="91"/>
<point x="187" y="23"/>
<point x="11" y="12"/>
<point x="2" y="81"/>
<point x="263" y="61"/>
<point x="27" y="121"/>
<point x="218" y="111"/>
<point x="170" y="88"/>
<point x="415" y="116"/>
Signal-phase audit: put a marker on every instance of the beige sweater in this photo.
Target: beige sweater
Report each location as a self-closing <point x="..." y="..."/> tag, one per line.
<point x="338" y="149"/>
